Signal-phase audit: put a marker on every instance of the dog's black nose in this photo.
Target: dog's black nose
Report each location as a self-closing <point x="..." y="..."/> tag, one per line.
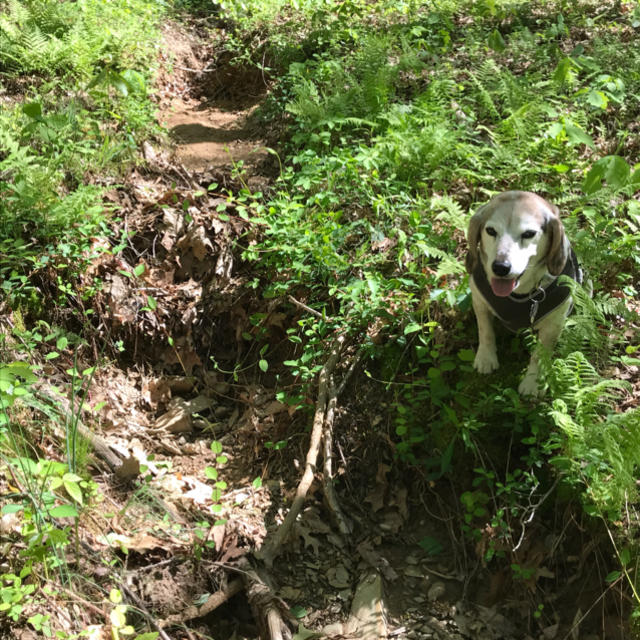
<point x="501" y="268"/>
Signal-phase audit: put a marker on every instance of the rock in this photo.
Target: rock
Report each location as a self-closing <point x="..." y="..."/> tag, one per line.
<point x="415" y="572"/>
<point x="368" y="615"/>
<point x="335" y="629"/>
<point x="436" y="591"/>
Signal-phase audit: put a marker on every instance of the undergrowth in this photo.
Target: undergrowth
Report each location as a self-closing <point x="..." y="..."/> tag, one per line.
<point x="74" y="77"/>
<point x="400" y="120"/>
<point x="81" y="115"/>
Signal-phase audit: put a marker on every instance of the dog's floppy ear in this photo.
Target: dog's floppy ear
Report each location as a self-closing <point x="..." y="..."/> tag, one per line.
<point x="473" y="235"/>
<point x="558" y="252"/>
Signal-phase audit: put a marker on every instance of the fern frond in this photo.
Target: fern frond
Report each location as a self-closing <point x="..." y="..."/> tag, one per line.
<point x="449" y="211"/>
<point x="563" y="419"/>
<point x="489" y="109"/>
<point x="19" y="12"/>
<point x="33" y="41"/>
<point x="603" y="446"/>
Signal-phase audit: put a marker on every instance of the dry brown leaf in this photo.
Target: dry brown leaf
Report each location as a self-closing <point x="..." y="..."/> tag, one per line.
<point x="196" y="239"/>
<point x="218" y="533"/>
<point x="376" y="560"/>
<point x="177" y="419"/>
<point x="376" y="497"/>
<point x="232" y="550"/>
<point x="273" y="407"/>
<point x="339" y="577"/>
<point x="399" y="500"/>
<point x="182" y="353"/>
<point x="156" y="392"/>
<point x="309" y="540"/>
<point x="224" y="263"/>
<point x="145" y="542"/>
<point x="161" y="277"/>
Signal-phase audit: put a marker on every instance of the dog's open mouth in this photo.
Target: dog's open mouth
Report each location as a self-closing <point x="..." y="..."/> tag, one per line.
<point x="502" y="287"/>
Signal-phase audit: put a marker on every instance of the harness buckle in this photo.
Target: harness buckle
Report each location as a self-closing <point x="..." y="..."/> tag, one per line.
<point x="535" y="302"/>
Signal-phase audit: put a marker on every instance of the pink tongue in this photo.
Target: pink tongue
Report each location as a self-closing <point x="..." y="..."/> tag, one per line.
<point x="502" y="287"/>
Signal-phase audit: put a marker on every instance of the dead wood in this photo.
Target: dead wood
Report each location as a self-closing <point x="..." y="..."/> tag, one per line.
<point x="327" y="476"/>
<point x="60" y="404"/>
<point x="273" y="544"/>
<point x="213" y="602"/>
<point x="344" y="526"/>
<point x="270" y="612"/>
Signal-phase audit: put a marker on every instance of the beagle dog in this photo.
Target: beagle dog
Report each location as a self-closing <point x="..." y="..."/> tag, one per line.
<point x="517" y="250"/>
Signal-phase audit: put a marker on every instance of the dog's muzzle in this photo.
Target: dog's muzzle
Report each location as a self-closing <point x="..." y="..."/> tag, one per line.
<point x="517" y="311"/>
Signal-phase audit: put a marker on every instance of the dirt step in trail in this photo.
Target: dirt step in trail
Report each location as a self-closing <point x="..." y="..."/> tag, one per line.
<point x="210" y="118"/>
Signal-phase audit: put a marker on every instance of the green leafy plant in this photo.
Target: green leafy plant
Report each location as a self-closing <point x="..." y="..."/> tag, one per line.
<point x="392" y="138"/>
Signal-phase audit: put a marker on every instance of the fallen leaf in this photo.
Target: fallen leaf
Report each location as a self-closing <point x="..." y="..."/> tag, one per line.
<point x="309" y="540"/>
<point x="339" y="577"/>
<point x="156" y="392"/>
<point x="177" y="419"/>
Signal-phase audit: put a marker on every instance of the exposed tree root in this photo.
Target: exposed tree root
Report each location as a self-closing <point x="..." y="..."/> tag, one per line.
<point x="322" y="427"/>
<point x="270" y="612"/>
<point x="213" y="602"/>
<point x="344" y="526"/>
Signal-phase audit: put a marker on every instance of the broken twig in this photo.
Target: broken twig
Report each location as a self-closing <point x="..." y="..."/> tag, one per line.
<point x="271" y="548"/>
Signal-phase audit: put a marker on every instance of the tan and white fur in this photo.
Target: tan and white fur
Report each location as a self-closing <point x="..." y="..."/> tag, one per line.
<point x="520" y="240"/>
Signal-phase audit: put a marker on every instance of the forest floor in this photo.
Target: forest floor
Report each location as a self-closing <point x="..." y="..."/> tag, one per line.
<point x="201" y="479"/>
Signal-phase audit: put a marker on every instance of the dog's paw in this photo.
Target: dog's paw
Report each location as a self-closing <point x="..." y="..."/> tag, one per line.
<point x="486" y="361"/>
<point x="530" y="386"/>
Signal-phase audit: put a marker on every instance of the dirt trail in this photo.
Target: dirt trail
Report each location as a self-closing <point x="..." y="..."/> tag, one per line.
<point x="189" y="412"/>
<point x="209" y="124"/>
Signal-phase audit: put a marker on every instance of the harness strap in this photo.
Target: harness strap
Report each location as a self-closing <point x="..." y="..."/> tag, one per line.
<point x="521" y="311"/>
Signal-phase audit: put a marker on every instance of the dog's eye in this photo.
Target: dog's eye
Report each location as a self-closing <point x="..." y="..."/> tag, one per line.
<point x="528" y="234"/>
<point x="491" y="231"/>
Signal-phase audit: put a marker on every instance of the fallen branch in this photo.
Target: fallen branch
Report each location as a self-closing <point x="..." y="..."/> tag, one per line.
<point x="61" y="406"/>
<point x="305" y="307"/>
<point x="272" y="546"/>
<point x="327" y="476"/>
<point x="271" y="613"/>
<point x="213" y="602"/>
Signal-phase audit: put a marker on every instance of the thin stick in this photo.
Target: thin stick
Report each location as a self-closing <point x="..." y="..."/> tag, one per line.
<point x="144" y="611"/>
<point x="213" y="602"/>
<point x="271" y="549"/>
<point x="327" y="476"/>
<point x="306" y="308"/>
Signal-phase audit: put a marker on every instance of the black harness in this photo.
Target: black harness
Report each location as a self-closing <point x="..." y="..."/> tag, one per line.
<point x="517" y="311"/>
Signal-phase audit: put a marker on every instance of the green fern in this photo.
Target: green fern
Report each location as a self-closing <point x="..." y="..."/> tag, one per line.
<point x="51" y="17"/>
<point x="601" y="447"/>
<point x="47" y="36"/>
<point x="584" y="327"/>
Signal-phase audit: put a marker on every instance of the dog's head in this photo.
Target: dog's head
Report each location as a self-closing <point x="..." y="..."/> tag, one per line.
<point x="513" y="233"/>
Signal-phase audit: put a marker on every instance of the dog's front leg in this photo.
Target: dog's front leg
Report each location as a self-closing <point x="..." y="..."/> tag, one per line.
<point x="549" y="331"/>
<point x="486" y="359"/>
